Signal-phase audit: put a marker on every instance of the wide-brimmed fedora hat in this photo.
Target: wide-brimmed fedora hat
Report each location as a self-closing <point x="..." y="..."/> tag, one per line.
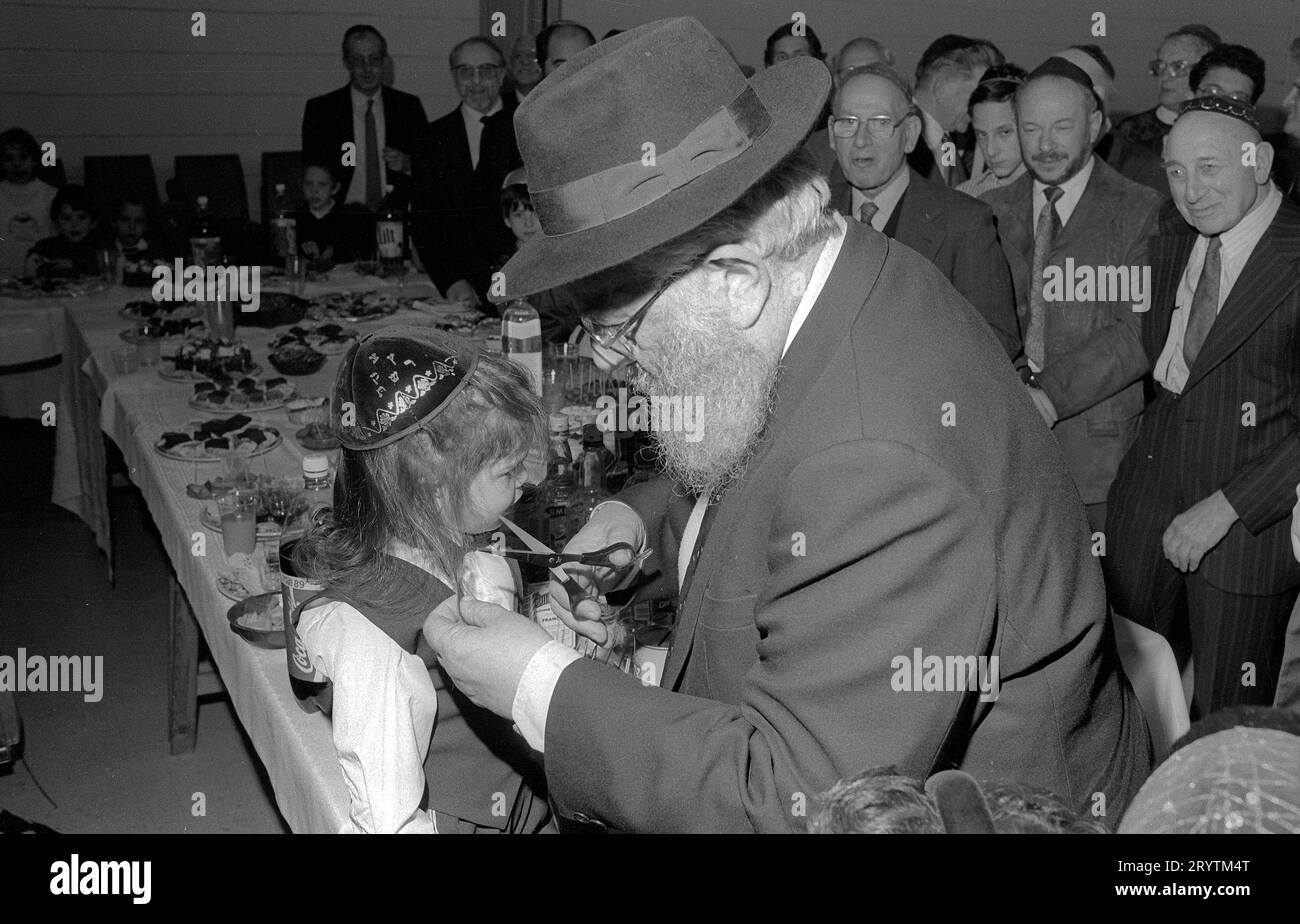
<point x="643" y="137"/>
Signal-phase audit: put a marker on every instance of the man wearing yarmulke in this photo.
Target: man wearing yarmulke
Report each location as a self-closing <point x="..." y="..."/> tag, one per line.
<point x="871" y="489"/>
<point x="1198" y="535"/>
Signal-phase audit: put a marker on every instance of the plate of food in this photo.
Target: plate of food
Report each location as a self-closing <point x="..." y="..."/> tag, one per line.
<point x="138" y="273"/>
<point x="275" y="309"/>
<point x="200" y="360"/>
<point x="356" y="306"/>
<point x="212" y="440"/>
<point x="222" y="393"/>
<point x="165" y="330"/>
<point x="48" y="286"/>
<point x="258" y="619"/>
<point x="145" y="310"/>
<point x="322" y="336"/>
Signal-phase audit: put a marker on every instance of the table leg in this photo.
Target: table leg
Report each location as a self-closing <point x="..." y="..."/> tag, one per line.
<point x="182" y="672"/>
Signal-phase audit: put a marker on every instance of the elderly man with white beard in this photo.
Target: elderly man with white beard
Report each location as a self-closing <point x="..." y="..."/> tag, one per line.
<point x="874" y="497"/>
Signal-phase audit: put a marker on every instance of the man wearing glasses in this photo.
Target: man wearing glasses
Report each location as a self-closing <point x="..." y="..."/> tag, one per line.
<point x="838" y="529"/>
<point x="381" y="122"/>
<point x="873" y="127"/>
<point x="460" y="162"/>
<point x="1136" y="152"/>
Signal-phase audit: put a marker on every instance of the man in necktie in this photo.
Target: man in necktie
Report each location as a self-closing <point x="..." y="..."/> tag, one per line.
<point x="872" y="128"/>
<point x="1074" y="229"/>
<point x="1198" y="543"/>
<point x="366" y="130"/>
<point x="948" y="71"/>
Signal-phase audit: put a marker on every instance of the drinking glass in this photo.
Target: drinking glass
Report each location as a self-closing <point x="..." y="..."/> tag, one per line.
<point x="238" y="509"/>
<point x="295" y="271"/>
<point x="148" y="349"/>
<point x="125" y="361"/>
<point x="107" y="265"/>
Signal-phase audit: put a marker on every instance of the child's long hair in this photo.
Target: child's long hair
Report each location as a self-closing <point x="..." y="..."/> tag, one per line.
<point x="416" y="490"/>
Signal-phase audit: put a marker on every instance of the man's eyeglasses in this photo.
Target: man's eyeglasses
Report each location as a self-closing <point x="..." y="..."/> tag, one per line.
<point x="879" y="127"/>
<point x="483" y="71"/>
<point x="607" y="336"/>
<point x="1158" y="68"/>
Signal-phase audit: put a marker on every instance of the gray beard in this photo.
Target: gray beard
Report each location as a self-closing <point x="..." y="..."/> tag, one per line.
<point x="734" y="385"/>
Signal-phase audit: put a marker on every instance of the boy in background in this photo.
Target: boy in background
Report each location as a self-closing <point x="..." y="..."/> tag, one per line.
<point x="24" y="200"/>
<point x="70" y="252"/>
<point x="328" y="232"/>
<point x="557" y="313"/>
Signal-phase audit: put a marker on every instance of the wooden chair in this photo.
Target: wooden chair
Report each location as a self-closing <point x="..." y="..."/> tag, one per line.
<point x="109" y="179"/>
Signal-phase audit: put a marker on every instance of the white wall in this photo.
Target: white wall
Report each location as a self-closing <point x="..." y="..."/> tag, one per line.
<point x="126" y="76"/>
<point x="1027" y="31"/>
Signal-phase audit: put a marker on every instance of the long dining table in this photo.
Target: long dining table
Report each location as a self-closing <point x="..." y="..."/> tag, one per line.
<point x="134" y="409"/>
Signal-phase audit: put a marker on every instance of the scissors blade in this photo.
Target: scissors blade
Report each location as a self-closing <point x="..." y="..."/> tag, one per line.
<point x="571" y="587"/>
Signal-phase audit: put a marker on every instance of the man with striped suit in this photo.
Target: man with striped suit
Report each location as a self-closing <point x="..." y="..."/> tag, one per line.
<point x="1198" y="529"/>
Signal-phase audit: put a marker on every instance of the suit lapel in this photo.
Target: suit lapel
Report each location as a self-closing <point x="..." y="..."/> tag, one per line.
<point x="914" y="220"/>
<point x="1267" y="278"/>
<point x="1015" y="226"/>
<point x="856" y="269"/>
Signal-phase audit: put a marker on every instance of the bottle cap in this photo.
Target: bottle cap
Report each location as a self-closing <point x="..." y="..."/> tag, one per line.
<point x="558" y="422"/>
<point x="315" y="466"/>
<point x="279" y="188"/>
<point x="202" y="201"/>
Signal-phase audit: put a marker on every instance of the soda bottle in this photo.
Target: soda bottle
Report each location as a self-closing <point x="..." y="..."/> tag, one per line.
<point x="390" y="237"/>
<point x="555" y="493"/>
<point x="312" y="506"/>
<point x="590" y="489"/>
<point x="521" y="340"/>
<point x="205" y="240"/>
<point x="284" y="227"/>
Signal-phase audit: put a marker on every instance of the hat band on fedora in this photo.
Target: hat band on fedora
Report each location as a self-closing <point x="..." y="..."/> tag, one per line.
<point x="621" y="190"/>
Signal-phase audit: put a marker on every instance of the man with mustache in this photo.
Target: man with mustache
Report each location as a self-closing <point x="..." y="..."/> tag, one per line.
<point x="1199" y="541"/>
<point x="872" y="485"/>
<point x="1083" y="360"/>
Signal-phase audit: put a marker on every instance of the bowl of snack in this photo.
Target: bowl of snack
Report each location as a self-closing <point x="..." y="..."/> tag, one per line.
<point x="259" y="620"/>
<point x="306" y="409"/>
<point x="297" y="359"/>
<point x="314" y="414"/>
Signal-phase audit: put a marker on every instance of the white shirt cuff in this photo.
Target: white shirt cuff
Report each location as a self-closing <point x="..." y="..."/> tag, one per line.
<point x="536" y="687"/>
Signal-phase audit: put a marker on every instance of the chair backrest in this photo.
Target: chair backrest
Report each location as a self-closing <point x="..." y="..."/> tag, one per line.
<point x="109" y="179"/>
<point x="220" y="177"/>
<point x="281" y="167"/>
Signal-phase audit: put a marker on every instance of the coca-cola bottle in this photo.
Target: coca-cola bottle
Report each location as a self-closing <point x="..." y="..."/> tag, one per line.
<point x="312" y="506"/>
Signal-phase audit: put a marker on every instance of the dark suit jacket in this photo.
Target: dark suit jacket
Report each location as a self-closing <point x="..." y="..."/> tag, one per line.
<point x="922" y="160"/>
<point x="865" y="528"/>
<point x="456" y="207"/>
<point x="327" y="126"/>
<point x="1093" y="352"/>
<point x="954" y="232"/>
<point x="1196" y="443"/>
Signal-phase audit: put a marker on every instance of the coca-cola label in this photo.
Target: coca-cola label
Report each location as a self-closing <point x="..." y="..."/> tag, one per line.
<point x="294" y="591"/>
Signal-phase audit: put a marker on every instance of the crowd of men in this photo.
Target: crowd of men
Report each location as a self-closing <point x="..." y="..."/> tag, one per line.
<point x="1138" y="282"/>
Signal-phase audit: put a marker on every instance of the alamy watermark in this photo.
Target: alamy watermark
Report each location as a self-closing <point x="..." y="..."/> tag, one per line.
<point x="54" y="674"/>
<point x="193" y="283"/>
<point x="922" y="673"/>
<point x="658" y="413"/>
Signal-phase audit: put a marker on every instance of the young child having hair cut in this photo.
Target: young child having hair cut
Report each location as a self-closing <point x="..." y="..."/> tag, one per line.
<point x="24" y="200"/>
<point x="434" y="439"/>
<point x="71" y="251"/>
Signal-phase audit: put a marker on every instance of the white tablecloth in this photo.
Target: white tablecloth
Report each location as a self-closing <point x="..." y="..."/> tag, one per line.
<point x="295" y="747"/>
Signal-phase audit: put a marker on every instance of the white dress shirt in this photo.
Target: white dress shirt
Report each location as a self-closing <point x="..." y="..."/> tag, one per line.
<point x="1235" y="247"/>
<point x="532" y="701"/>
<point x="474" y="127"/>
<point x="886" y="198"/>
<point x="357" y="188"/>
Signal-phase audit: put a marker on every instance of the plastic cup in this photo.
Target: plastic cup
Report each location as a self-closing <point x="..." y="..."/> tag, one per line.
<point x="147" y="352"/>
<point x="238" y="511"/>
<point x="295" y="271"/>
<point x="107" y="265"/>
<point x="125" y="361"/>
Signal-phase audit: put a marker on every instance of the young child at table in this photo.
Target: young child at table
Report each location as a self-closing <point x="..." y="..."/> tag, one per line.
<point x="557" y="314"/>
<point x="328" y="232"/>
<point x="130" y="227"/>
<point x="433" y="447"/>
<point x="71" y="251"/>
<point x="24" y="200"/>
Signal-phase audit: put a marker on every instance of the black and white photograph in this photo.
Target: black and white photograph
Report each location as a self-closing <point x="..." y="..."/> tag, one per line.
<point x="653" y="417"/>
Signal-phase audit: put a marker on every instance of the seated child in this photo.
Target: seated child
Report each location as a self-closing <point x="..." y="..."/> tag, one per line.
<point x="70" y="252"/>
<point x="434" y="455"/>
<point x="328" y="232"/>
<point x="130" y="225"/>
<point x="24" y="200"/>
<point x="557" y="314"/>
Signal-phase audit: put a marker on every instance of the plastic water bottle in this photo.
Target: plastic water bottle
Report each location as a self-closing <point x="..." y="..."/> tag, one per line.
<point x="521" y="340"/>
<point x="284" y="227"/>
<point x="390" y="238"/>
<point x="205" y="241"/>
<point x="313" y="505"/>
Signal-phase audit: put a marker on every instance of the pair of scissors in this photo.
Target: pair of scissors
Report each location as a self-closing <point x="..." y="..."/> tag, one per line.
<point x="538" y="551"/>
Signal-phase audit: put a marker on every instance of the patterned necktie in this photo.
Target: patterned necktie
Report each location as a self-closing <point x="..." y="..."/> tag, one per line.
<point x="867" y="211"/>
<point x="1205" y="304"/>
<point x="1049" y="225"/>
<point x="374" y="197"/>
